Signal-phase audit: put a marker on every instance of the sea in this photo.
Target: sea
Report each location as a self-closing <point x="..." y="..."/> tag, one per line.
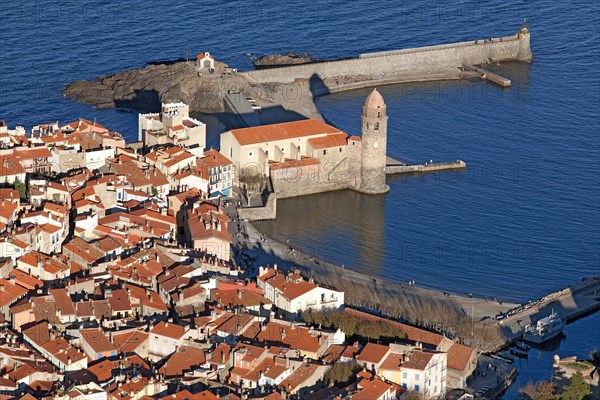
<point x="522" y="220"/>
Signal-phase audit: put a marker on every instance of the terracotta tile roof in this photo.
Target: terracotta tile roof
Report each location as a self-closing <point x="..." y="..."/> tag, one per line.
<point x="128" y="342"/>
<point x="290" y="287"/>
<point x="184" y="359"/>
<point x="102" y="370"/>
<point x="32" y="153"/>
<point x="296" y="337"/>
<point x="373" y="353"/>
<point x="336" y="351"/>
<point x="221" y="354"/>
<point x="371" y="389"/>
<point x="301" y="374"/>
<point x="323" y="142"/>
<point x="10" y="165"/>
<point x="459" y="356"/>
<point x="240" y="297"/>
<point x="306" y="161"/>
<point x="25" y="280"/>
<point x="168" y="329"/>
<point x="392" y="362"/>
<point x="10" y="293"/>
<point x="63" y="301"/>
<point x="212" y="158"/>
<point x="119" y="301"/>
<point x="208" y="225"/>
<point x="97" y="340"/>
<point x="286" y="130"/>
<point x="418" y="360"/>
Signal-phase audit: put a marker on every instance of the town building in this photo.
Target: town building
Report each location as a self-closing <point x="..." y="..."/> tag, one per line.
<point x="172" y="125"/>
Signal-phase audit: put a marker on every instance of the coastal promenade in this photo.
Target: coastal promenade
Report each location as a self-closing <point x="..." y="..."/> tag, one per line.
<point x="400" y="300"/>
<point x="390" y="298"/>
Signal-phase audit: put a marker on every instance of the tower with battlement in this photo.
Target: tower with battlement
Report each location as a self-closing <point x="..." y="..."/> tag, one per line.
<point x="374" y="146"/>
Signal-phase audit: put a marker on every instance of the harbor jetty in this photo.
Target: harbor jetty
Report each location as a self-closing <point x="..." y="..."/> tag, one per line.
<point x="288" y="92"/>
<point x="425" y="167"/>
<point x="569" y="303"/>
<point x="490" y="76"/>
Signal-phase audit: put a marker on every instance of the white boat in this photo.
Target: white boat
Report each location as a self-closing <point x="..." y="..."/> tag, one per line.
<point x="545" y="329"/>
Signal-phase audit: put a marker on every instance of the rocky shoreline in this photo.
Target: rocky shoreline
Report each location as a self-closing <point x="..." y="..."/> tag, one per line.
<point x="282" y="60"/>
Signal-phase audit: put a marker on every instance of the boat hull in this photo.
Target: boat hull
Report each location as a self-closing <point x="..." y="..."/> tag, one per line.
<point x="533" y="338"/>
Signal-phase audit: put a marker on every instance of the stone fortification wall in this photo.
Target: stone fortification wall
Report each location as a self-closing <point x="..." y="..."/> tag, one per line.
<point x="454" y="55"/>
<point x="268" y="211"/>
<point x="305" y="185"/>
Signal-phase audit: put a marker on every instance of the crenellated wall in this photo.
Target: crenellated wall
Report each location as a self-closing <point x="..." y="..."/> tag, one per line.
<point x="454" y="55"/>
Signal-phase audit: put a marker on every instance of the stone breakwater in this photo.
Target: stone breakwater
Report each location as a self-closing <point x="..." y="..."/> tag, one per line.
<point x="294" y="87"/>
<point x="417" y="61"/>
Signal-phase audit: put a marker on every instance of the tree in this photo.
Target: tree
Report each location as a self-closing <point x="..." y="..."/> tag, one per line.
<point x="577" y="389"/>
<point x="539" y="391"/>
<point x="20" y="186"/>
<point x="342" y="373"/>
<point x="354" y="326"/>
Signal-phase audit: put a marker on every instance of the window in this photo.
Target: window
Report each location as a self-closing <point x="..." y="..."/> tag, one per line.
<point x="416" y="388"/>
<point x="340" y="149"/>
<point x="230" y="152"/>
<point x="404" y="386"/>
<point x="298" y="147"/>
<point x="324" y="152"/>
<point x="250" y="154"/>
<point x="376" y="126"/>
<point x="405" y="375"/>
<point x="416" y="377"/>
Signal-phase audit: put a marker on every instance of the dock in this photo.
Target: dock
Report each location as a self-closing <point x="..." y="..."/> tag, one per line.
<point x="570" y="303"/>
<point x="393" y="169"/>
<point x="490" y="76"/>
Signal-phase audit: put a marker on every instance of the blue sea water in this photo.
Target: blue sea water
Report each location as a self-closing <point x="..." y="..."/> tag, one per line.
<point x="521" y="221"/>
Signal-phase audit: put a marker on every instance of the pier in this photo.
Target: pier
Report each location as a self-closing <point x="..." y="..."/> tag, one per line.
<point x="422" y="168"/>
<point x="570" y="303"/>
<point x="490" y="76"/>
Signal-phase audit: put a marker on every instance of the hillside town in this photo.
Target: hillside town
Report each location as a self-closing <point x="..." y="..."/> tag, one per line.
<point x="125" y="274"/>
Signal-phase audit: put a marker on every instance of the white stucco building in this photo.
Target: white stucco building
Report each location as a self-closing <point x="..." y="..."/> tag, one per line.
<point x="293" y="294"/>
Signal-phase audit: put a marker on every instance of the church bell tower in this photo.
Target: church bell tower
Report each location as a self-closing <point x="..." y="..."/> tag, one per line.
<point x="374" y="145"/>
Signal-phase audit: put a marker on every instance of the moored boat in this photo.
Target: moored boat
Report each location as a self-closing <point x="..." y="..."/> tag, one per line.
<point x="545" y="329"/>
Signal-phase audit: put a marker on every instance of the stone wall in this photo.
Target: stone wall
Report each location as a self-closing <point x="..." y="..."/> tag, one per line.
<point x="268" y="211"/>
<point x="408" y="60"/>
<point x="307" y="184"/>
<point x="402" y="169"/>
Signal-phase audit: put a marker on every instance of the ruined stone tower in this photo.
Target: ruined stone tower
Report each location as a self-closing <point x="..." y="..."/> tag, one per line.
<point x="374" y="145"/>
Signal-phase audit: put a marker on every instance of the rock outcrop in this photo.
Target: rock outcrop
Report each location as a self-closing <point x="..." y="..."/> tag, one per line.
<point x="282" y="60"/>
<point x="145" y="88"/>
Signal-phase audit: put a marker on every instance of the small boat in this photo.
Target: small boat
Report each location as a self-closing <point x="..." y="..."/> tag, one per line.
<point x="545" y="329"/>
<point x="519" y="353"/>
<point x="522" y="346"/>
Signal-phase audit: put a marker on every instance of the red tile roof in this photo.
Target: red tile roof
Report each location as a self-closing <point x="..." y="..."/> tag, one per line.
<point x="286" y="130"/>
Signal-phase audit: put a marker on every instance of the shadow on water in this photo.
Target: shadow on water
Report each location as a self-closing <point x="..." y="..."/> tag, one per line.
<point x="166" y="62"/>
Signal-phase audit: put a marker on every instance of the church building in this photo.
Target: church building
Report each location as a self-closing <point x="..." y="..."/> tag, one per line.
<point x="309" y="156"/>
